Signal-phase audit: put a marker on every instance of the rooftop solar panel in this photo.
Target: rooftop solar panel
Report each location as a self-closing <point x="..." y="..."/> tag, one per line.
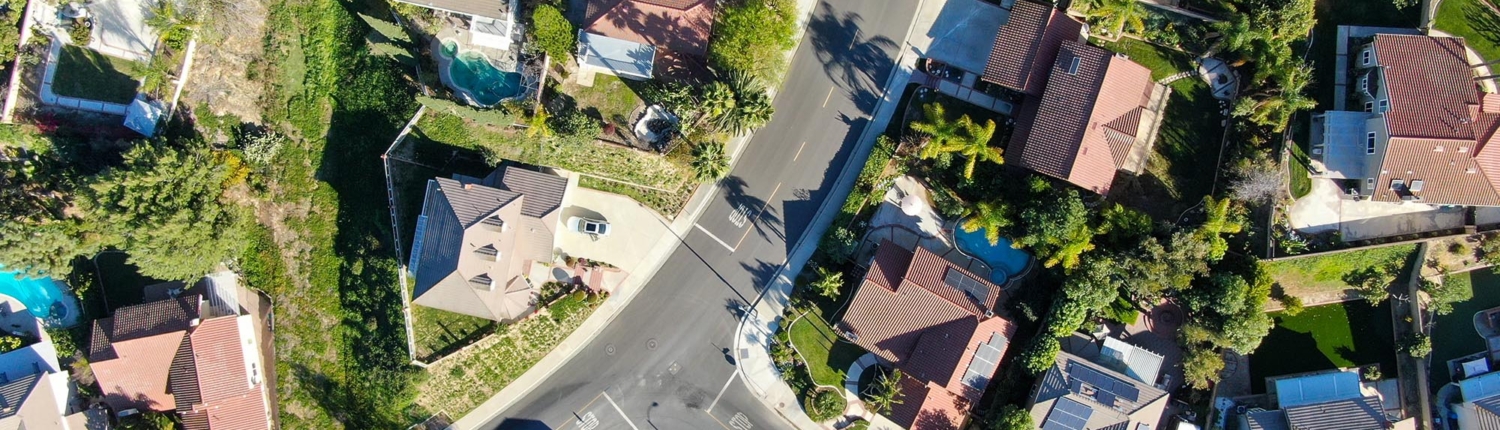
<point x="1067" y="414"/>
<point x="986" y="357"/>
<point x="1103" y="382"/>
<point x="970" y="286"/>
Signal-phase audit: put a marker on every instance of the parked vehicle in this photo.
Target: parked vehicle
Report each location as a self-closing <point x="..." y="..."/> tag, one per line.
<point x="588" y="226"/>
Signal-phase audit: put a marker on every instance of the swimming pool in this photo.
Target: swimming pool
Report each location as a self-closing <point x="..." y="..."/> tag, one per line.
<point x="1004" y="261"/>
<point x="471" y="73"/>
<point x="45" y="297"/>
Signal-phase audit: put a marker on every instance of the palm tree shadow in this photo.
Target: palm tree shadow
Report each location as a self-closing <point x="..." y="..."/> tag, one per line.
<point x="858" y="64"/>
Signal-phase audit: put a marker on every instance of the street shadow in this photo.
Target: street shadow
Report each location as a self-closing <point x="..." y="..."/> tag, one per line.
<point x="860" y="65"/>
<point x="762" y="217"/>
<point x="800" y="210"/>
<point x="762" y="274"/>
<point x="522" y="424"/>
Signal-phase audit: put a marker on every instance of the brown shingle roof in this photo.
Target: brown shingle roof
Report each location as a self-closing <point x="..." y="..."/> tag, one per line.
<point x="1430" y="86"/>
<point x="678" y="25"/>
<point x="1087" y="118"/>
<point x="1026" y="45"/>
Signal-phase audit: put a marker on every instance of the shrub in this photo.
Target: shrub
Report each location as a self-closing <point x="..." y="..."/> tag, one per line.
<point x="1040" y="355"/>
<point x="752" y="35"/>
<point x="709" y="162"/>
<point x="1444" y="295"/>
<point x="1201" y="366"/>
<point x="1013" y="417"/>
<point x="9" y="343"/>
<point x="1489" y="249"/>
<point x="838" y="243"/>
<point x="260" y="147"/>
<point x="1417" y="345"/>
<point x="82" y="32"/>
<point x="823" y="405"/>
<point x="552" y="32"/>
<point x="574" y="123"/>
<point x="1291" y="305"/>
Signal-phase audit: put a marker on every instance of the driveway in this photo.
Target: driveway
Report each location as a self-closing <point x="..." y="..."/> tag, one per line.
<point x="120" y="29"/>
<point x="960" y="34"/>
<point x="1324" y="210"/>
<point x="635" y="228"/>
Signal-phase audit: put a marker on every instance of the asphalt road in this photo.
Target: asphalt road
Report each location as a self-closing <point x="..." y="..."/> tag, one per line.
<point x="664" y="362"/>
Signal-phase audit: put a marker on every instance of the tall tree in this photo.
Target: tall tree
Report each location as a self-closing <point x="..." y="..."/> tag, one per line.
<point x="940" y="130"/>
<point x="993" y="217"/>
<point x="166" y="207"/>
<point x="1219" y="222"/>
<point x="1120" y="16"/>
<point x="1058" y="232"/>
<point x="886" y="393"/>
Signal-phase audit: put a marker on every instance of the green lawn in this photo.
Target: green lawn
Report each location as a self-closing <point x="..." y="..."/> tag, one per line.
<point x="828" y="356"/>
<point x="1478" y="25"/>
<point x="1343" y="335"/>
<point x="440" y="332"/>
<point x="1162" y="62"/>
<point x="1326" y="273"/>
<point x="1453" y="334"/>
<point x="86" y="74"/>
<point x="610" y="99"/>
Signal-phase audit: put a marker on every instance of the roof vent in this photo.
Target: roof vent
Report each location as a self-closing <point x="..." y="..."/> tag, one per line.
<point x="493" y="222"/>
<point x="482" y="282"/>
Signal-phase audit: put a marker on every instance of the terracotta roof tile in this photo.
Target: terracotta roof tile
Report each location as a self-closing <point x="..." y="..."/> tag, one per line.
<point x="220" y="358"/>
<point x="1086" y="120"/>
<point x="678" y="25"/>
<point x="1027" y="43"/>
<point x="132" y="353"/>
<point x="1430" y="85"/>
<point x="1449" y="176"/>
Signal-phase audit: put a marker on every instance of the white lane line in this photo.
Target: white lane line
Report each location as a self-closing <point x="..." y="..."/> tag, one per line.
<point x="828" y="97"/>
<point x="799" y="151"/>
<point x="715" y="238"/>
<point x="621" y="411"/>
<point x="732" y="375"/>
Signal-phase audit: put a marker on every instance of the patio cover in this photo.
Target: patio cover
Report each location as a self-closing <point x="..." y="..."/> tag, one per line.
<point x="618" y="56"/>
<point x="1324" y="387"/>
<point x="1344" y="145"/>
<point x="143" y="116"/>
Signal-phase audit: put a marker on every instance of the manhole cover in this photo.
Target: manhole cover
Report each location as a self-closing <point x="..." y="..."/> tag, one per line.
<point x="651" y="343"/>
<point x="609" y="349"/>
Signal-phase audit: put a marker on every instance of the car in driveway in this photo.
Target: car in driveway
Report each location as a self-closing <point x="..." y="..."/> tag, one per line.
<point x="588" y="226"/>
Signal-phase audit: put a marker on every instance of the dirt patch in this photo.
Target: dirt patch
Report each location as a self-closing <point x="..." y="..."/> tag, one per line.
<point x="231" y="43"/>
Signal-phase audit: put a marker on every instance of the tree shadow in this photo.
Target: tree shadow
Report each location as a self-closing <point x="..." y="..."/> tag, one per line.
<point x="761" y="216"/>
<point x="859" y="65"/>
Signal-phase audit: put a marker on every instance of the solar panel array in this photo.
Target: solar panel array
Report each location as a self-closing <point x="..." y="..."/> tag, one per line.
<point x="416" y="247"/>
<point x="976" y="290"/>
<point x="1106" y="387"/>
<point x="986" y="357"/>
<point x="1067" y="414"/>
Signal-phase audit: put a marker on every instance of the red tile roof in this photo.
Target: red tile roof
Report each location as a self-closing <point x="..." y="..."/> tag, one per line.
<point x="926" y="328"/>
<point x="1027" y="43"/>
<point x="1086" y="121"/>
<point x="133" y="352"/>
<point x="678" y="25"/>
<point x="1430" y="85"/>
<point x="228" y="399"/>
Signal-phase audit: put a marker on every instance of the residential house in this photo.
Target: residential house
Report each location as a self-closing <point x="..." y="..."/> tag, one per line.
<point x="637" y="38"/>
<point x="35" y="392"/>
<point x="1421" y="131"/>
<point x="1480" y="408"/>
<point x="492" y="23"/>
<point x="196" y="354"/>
<point x="1113" y="391"/>
<point x="1329" y="400"/>
<point x="1086" y="112"/>
<point x="477" y="240"/>
<point x="934" y="321"/>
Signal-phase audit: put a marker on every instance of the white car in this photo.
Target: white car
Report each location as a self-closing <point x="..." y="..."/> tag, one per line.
<point x="588" y="226"/>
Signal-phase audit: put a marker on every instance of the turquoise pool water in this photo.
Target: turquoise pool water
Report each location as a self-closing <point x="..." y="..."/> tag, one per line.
<point x="45" y="297"/>
<point x="1003" y="260"/>
<point x="471" y="72"/>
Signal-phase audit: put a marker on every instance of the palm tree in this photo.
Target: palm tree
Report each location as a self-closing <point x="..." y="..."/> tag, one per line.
<point x="751" y="111"/>
<point x="166" y="18"/>
<point x="938" y="129"/>
<point x="829" y="282"/>
<point x="709" y="162"/>
<point x="1120" y="16"/>
<point x="537" y="126"/>
<point x="886" y="392"/>
<point x="990" y="216"/>
<point x="973" y="142"/>
<point x="715" y="101"/>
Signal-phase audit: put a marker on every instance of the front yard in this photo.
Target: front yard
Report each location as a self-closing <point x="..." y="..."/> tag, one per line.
<point x="1471" y="20"/>
<point x="86" y="74"/>
<point x="463" y="380"/>
<point x="1305" y="277"/>
<point x="826" y="355"/>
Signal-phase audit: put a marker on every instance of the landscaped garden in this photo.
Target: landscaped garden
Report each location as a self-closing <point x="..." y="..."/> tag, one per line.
<point x="86" y="74"/>
<point x="1453" y="335"/>
<point x="1327" y="273"/>
<point x="1347" y="334"/>
<point x="826" y="354"/>
<point x="1473" y="20"/>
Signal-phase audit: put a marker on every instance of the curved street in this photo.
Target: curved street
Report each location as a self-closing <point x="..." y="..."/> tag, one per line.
<point x="665" y="362"/>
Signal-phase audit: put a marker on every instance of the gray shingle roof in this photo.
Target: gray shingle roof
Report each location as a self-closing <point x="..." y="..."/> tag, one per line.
<point x="14" y="392"/>
<point x="1352" y="414"/>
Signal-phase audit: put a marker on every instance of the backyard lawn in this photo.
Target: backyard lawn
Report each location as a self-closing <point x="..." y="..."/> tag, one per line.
<point x="609" y="100"/>
<point x="828" y="356"/>
<point x="440" y="332"/>
<point x="1344" y="334"/>
<point x="86" y="74"/>
<point x="1186" y="152"/>
<point x="1478" y="25"/>
<point x="1453" y="334"/>
<point x="1323" y="274"/>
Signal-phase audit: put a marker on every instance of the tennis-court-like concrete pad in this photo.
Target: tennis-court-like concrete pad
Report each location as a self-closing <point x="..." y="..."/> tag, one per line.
<point x="120" y="29"/>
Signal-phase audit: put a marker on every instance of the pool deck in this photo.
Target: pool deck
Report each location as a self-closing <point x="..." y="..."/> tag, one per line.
<point x="503" y="60"/>
<point x="10" y="310"/>
<point x="922" y="227"/>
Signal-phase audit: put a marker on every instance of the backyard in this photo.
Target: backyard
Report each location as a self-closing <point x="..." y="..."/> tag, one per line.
<point x="440" y="332"/>
<point x="1186" y="152"/>
<point x="1453" y="334"/>
<point x="1306" y="277"/>
<point x="86" y="74"/>
<point x="122" y="282"/>
<point x="827" y="355"/>
<point x="1471" y="20"/>
<point x="1344" y="334"/>
<point x="611" y="100"/>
